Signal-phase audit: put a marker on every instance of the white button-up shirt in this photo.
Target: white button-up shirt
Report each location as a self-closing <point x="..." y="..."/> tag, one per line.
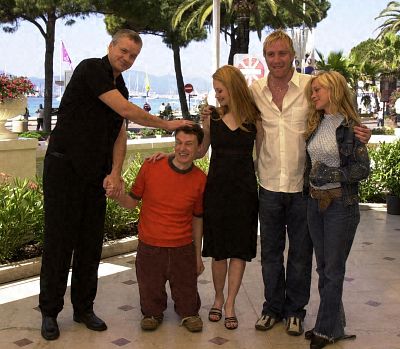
<point x="282" y="156"/>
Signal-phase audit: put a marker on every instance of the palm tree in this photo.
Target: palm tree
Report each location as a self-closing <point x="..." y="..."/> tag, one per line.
<point x="387" y="52"/>
<point x="338" y="62"/>
<point x="238" y="17"/>
<point x="392" y="22"/>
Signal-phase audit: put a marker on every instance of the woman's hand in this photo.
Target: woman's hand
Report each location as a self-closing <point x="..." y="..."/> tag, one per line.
<point x="157" y="156"/>
<point x="206" y="115"/>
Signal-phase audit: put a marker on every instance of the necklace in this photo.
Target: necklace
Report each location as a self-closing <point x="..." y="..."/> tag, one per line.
<point x="277" y="87"/>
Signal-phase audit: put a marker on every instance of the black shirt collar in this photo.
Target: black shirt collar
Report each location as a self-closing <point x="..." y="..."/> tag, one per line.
<point x="176" y="169"/>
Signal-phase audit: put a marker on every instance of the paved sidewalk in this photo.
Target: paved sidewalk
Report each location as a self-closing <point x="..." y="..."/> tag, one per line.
<point x="371" y="297"/>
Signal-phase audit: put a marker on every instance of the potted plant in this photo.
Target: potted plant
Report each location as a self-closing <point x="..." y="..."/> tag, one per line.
<point x="387" y="164"/>
<point x="159" y="132"/>
<point x="13" y="91"/>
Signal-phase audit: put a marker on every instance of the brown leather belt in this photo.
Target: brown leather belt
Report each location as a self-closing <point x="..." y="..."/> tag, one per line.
<point x="325" y="197"/>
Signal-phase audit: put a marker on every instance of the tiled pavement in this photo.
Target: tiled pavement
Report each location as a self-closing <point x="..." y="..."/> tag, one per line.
<point x="371" y="297"/>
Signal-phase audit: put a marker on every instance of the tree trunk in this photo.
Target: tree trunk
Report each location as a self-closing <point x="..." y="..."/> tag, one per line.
<point x="233" y="49"/>
<point x="48" y="70"/>
<point x="179" y="80"/>
<point x="243" y="33"/>
<point x="240" y="36"/>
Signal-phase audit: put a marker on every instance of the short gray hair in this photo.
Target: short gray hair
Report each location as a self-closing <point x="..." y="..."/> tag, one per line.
<point x="127" y="33"/>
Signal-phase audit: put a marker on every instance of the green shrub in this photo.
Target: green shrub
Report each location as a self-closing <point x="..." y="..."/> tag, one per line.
<point x="120" y="221"/>
<point x="386" y="166"/>
<point x="385" y="173"/>
<point x="40" y="135"/>
<point x="21" y="215"/>
<point x="203" y="163"/>
<point x="383" y="131"/>
<point x="160" y="132"/>
<point x="147" y="132"/>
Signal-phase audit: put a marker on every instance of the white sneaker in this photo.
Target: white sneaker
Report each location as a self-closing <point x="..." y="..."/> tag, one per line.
<point x="265" y="322"/>
<point x="294" y="326"/>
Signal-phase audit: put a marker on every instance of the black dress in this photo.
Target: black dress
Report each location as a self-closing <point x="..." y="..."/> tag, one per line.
<point x="231" y="197"/>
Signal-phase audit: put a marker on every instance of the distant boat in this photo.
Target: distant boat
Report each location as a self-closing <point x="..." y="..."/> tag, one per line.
<point x="146" y="93"/>
<point x="150" y="95"/>
<point x="134" y="93"/>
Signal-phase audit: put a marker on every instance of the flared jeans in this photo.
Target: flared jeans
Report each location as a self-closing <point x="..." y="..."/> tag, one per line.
<point x="332" y="232"/>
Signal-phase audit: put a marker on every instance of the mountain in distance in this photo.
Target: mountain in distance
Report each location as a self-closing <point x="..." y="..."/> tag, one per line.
<point x="163" y="84"/>
<point x="135" y="81"/>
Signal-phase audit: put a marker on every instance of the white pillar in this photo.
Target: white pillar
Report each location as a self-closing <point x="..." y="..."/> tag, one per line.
<point x="216" y="34"/>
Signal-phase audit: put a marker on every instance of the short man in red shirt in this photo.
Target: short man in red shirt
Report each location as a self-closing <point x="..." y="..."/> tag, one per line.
<point x="170" y="231"/>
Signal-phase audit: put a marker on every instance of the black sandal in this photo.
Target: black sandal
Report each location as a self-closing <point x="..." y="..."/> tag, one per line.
<point x="232" y="322"/>
<point x="217" y="313"/>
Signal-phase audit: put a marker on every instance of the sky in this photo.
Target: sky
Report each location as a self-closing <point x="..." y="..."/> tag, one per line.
<point x="348" y="23"/>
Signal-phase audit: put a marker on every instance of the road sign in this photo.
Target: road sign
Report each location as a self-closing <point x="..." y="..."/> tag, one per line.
<point x="188" y="88"/>
<point x="252" y="68"/>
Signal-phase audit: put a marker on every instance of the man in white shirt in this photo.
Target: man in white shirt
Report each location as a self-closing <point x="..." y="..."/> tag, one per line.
<point x="283" y="208"/>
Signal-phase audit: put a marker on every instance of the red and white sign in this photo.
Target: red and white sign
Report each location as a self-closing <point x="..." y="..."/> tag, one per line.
<point x="251" y="67"/>
<point x="188" y="88"/>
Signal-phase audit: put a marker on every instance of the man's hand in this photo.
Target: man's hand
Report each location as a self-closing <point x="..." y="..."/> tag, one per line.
<point x="113" y="185"/>
<point x="363" y="133"/>
<point x="157" y="156"/>
<point x="200" y="266"/>
<point x="174" y="124"/>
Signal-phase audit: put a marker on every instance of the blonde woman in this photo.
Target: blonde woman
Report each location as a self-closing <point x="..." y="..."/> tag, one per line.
<point x="336" y="162"/>
<point x="230" y="198"/>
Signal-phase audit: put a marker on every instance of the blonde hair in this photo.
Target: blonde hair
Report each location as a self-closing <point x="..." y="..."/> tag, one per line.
<point x="241" y="102"/>
<point x="340" y="98"/>
<point x="276" y="36"/>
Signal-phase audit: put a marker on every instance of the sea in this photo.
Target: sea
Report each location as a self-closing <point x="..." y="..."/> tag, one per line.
<point x="34" y="102"/>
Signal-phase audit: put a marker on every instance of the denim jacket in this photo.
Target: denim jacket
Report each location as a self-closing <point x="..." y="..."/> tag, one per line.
<point x="354" y="165"/>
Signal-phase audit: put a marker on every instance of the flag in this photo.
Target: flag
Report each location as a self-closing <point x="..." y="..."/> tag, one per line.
<point x="65" y="56"/>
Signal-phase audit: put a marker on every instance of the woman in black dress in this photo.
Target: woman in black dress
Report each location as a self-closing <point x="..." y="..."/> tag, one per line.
<point x="230" y="198"/>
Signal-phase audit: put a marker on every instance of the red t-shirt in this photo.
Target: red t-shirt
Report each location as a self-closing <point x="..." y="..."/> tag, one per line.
<point x="170" y="198"/>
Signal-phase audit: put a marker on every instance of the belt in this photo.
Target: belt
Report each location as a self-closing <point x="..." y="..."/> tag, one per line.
<point x="325" y="197"/>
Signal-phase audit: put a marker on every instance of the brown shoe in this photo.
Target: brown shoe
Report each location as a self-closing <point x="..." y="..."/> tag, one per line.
<point x="192" y="323"/>
<point x="150" y="323"/>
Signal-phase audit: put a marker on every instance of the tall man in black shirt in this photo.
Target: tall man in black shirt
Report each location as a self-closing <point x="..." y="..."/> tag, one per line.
<point x="84" y="158"/>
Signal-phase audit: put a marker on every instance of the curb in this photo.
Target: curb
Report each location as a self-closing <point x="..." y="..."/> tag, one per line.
<point x="31" y="267"/>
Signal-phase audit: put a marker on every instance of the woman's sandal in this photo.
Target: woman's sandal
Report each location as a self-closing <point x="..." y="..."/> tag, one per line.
<point x="231" y="323"/>
<point x="215" y="315"/>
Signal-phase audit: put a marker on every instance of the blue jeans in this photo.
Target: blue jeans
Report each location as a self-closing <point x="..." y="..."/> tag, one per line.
<point x="280" y="213"/>
<point x="332" y="233"/>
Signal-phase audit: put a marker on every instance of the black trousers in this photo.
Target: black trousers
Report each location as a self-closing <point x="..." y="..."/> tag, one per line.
<point x="74" y="225"/>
